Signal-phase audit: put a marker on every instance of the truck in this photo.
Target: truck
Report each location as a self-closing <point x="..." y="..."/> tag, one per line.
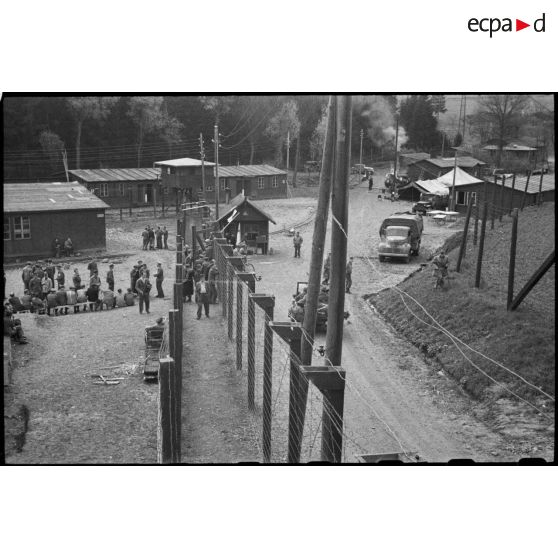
<point x="428" y="202"/>
<point x="400" y="236"/>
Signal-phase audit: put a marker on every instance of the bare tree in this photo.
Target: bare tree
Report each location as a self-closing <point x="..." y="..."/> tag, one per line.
<point x="85" y="108"/>
<point x="503" y="111"/>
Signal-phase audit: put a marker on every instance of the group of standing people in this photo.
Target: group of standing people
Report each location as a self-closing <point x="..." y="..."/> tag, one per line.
<point x="153" y="239"/>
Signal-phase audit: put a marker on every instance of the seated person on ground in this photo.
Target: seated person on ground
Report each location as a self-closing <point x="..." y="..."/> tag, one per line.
<point x="119" y="301"/>
<point x="129" y="298"/>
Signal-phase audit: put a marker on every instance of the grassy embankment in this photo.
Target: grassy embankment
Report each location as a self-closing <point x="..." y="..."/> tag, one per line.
<point x="523" y="341"/>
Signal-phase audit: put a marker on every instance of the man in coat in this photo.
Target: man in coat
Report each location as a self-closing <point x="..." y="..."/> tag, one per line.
<point x="143" y="286"/>
<point x="202" y="297"/>
<point x="165" y="237"/>
<point x="297" y="243"/>
<point x="110" y="277"/>
<point x="159" y="276"/>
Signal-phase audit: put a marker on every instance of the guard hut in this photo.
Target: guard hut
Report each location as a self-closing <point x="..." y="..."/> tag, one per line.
<point x="244" y="221"/>
<point x="37" y="213"/>
<point x="181" y="179"/>
<point x="121" y="187"/>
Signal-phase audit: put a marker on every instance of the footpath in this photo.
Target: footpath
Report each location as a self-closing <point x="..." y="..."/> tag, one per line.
<point x="217" y="426"/>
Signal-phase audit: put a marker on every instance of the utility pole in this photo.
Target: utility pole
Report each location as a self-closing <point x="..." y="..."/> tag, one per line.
<point x="339" y="228"/>
<point x="288" y="147"/>
<point x="216" y="142"/>
<point x="396" y="142"/>
<point x="360" y="160"/>
<point x="318" y="240"/>
<point x="202" y="155"/>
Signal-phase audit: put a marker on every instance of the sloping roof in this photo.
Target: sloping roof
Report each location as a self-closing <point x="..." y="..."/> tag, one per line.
<point x="415" y="156"/>
<point x="184" y="162"/>
<point x="116" y="175"/>
<point x="461" y="178"/>
<point x="448" y="162"/>
<point x="548" y="183"/>
<point x="54" y="196"/>
<point x="434" y="186"/>
<point x="238" y="201"/>
<point x="512" y="147"/>
<point x="249" y="170"/>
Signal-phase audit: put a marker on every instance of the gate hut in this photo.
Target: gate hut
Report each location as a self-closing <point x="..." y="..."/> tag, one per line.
<point x="244" y="220"/>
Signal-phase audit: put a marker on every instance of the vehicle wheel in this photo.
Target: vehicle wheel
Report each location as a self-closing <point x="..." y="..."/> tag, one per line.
<point x="407" y="258"/>
<point x="381" y="258"/>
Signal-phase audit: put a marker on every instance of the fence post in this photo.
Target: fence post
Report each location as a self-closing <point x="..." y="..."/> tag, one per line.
<point x="464" y="239"/>
<point x="539" y="198"/>
<point x="476" y="229"/>
<point x="330" y="380"/>
<point x="533" y="280"/>
<point x="165" y="434"/>
<point x="267" y="304"/>
<point x="239" y="309"/>
<point x="512" y="194"/>
<point x="291" y="332"/>
<point x="121" y="213"/>
<point x="511" y="273"/>
<point x="493" y="204"/>
<point x="525" y="191"/>
<point x="501" y="208"/>
<point x="194" y="249"/>
<point x="175" y="352"/>
<point x="250" y="280"/>
<point x="130" y="201"/>
<point x="481" y="245"/>
<point x="230" y="296"/>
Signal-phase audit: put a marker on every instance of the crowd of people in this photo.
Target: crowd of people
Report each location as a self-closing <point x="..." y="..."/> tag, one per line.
<point x="46" y="290"/>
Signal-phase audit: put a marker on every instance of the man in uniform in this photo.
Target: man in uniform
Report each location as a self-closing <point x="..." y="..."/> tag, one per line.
<point x="110" y="277"/>
<point x="26" y="275"/>
<point x="348" y="275"/>
<point x="297" y="243"/>
<point x="92" y="267"/>
<point x="165" y="237"/>
<point x="60" y="277"/>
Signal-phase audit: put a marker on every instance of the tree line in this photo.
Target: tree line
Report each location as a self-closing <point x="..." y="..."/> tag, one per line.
<point x="41" y="133"/>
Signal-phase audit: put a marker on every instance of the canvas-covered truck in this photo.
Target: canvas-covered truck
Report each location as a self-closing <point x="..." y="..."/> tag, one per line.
<point x="400" y="236"/>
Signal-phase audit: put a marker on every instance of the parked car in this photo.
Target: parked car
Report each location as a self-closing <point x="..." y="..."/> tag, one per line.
<point x="357" y="169"/>
<point x="400" y="236"/>
<point x="312" y="166"/>
<point x="428" y="202"/>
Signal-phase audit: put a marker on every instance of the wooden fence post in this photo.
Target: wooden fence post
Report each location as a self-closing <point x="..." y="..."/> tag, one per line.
<point x="501" y="208"/>
<point x="533" y="280"/>
<point x="512" y="194"/>
<point x="463" y="246"/>
<point x="239" y="309"/>
<point x="476" y="229"/>
<point x="250" y="280"/>
<point x="130" y="201"/>
<point x="525" y="191"/>
<point x="267" y="304"/>
<point x="481" y="245"/>
<point x="493" y="212"/>
<point x="330" y="380"/>
<point x="539" y="198"/>
<point x="291" y="332"/>
<point x="511" y="273"/>
<point x="175" y="352"/>
<point x="165" y="433"/>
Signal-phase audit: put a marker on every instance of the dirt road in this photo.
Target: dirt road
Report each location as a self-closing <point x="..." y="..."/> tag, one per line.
<point x="394" y="401"/>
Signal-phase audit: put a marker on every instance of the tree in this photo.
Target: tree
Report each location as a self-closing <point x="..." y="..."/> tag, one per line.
<point x="147" y="114"/>
<point x="218" y="105"/>
<point x="84" y="108"/>
<point x="318" y="137"/>
<point x="417" y="117"/>
<point x="438" y="104"/>
<point x="284" y="123"/>
<point x="52" y="146"/>
<point x="503" y="112"/>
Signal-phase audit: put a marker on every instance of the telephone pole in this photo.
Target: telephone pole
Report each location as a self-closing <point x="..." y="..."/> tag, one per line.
<point x="202" y="155"/>
<point x="288" y="147"/>
<point x="396" y="142"/>
<point x="339" y="231"/>
<point x="318" y="240"/>
<point x="360" y="160"/>
<point x="216" y="142"/>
